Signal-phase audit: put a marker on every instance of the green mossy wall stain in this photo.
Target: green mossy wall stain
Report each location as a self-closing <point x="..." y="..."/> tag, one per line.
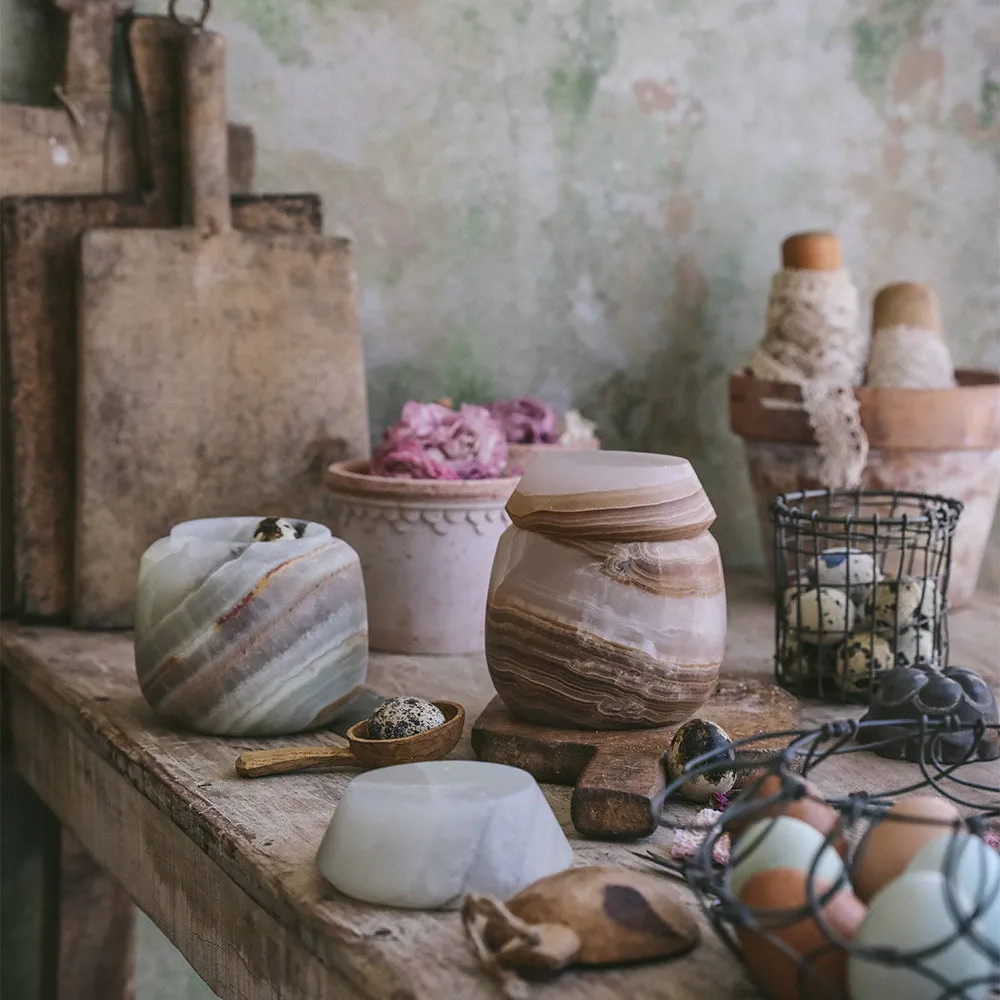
<point x="877" y="39"/>
<point x="276" y="23"/>
<point x="590" y="49"/>
<point x="989" y="100"/>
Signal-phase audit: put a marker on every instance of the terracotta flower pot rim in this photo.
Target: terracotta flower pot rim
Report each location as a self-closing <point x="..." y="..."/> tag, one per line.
<point x="352" y="478"/>
<point x="965" y="417"/>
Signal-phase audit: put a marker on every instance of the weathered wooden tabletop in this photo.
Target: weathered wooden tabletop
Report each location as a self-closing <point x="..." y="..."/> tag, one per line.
<point x="225" y="866"/>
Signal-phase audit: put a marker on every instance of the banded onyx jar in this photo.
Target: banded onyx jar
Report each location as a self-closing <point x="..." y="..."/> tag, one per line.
<point x="607" y="605"/>
<point x="236" y="637"/>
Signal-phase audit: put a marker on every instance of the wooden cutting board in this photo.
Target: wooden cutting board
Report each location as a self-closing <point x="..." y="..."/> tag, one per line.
<point x="220" y="372"/>
<point x="39" y="238"/>
<point x="618" y="777"/>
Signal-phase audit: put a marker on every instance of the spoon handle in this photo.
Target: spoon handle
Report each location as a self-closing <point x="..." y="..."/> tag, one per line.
<point x="285" y="760"/>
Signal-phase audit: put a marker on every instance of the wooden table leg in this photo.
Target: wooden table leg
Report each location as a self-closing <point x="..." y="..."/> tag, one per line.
<point x="68" y="931"/>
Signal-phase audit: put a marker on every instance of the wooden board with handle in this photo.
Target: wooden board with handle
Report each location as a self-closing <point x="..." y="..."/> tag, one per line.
<point x="618" y="777"/>
<point x="40" y="237"/>
<point x="220" y="372"/>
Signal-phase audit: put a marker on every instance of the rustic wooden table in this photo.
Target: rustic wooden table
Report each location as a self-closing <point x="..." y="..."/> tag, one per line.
<point x="225" y="867"/>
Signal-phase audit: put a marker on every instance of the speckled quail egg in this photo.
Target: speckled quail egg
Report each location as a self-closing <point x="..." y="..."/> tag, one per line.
<point x="915" y="645"/>
<point x="821" y="615"/>
<point x="803" y="661"/>
<point x="694" y="738"/>
<point x="274" y="529"/>
<point x="916" y="601"/>
<point x="399" y="717"/>
<point x="852" y="569"/>
<point x="859" y="662"/>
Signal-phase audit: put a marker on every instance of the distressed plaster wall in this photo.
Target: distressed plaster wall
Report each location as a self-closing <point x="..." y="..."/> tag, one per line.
<point x="584" y="198"/>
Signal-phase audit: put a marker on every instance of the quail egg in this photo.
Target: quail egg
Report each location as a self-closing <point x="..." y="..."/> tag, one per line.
<point x="274" y="529"/>
<point x="915" y="645"/>
<point x="399" y="717"/>
<point x="851" y="569"/>
<point x="802" y="661"/>
<point x="821" y="615"/>
<point x="694" y="738"/>
<point x="859" y="662"/>
<point x="914" y="601"/>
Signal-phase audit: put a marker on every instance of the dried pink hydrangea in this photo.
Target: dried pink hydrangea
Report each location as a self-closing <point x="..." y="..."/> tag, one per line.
<point x="431" y="441"/>
<point x="527" y="420"/>
<point x="688" y="840"/>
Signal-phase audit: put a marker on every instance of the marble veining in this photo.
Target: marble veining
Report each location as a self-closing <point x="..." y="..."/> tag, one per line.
<point x="588" y="629"/>
<point x="236" y="637"/>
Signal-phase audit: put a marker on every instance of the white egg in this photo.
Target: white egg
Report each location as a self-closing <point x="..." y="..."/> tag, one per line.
<point x="860" y="659"/>
<point x="914" y="601"/>
<point x="975" y="868"/>
<point x="912" y="914"/>
<point x="781" y="842"/>
<point x="821" y="615"/>
<point x="915" y="645"/>
<point x="848" y="568"/>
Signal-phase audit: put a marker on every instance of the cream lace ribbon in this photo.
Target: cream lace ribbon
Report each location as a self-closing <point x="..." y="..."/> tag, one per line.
<point x="908" y="357"/>
<point x="813" y="340"/>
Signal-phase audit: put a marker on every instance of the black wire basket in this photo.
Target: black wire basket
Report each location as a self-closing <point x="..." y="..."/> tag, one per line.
<point x="861" y="586"/>
<point x="821" y="942"/>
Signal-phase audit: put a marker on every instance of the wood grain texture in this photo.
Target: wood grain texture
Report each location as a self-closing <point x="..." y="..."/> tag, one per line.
<point x="97" y="939"/>
<point x="225" y="866"/>
<point x="259" y="377"/>
<point x="618" y="777"/>
<point x="39" y="238"/>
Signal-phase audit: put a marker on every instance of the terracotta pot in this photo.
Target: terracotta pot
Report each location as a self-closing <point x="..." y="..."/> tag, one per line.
<point x="519" y="455"/>
<point x="426" y="549"/>
<point x="943" y="441"/>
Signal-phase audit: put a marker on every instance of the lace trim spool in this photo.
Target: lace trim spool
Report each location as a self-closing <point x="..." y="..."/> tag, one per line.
<point x="908" y="357"/>
<point x="813" y="340"/>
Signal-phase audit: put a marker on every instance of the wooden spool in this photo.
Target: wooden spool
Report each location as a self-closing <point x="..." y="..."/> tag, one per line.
<point x="907" y="303"/>
<point x="813" y="251"/>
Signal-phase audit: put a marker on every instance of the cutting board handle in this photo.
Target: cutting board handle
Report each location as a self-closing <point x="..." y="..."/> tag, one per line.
<point x="619" y="795"/>
<point x="206" y="153"/>
<point x="90" y="34"/>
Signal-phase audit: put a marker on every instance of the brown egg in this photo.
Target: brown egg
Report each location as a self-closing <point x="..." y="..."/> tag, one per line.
<point x="810" y="809"/>
<point x="891" y="844"/>
<point x="825" y="973"/>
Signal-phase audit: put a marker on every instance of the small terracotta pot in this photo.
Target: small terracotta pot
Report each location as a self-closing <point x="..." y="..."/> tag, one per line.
<point x="426" y="549"/>
<point x="941" y="441"/>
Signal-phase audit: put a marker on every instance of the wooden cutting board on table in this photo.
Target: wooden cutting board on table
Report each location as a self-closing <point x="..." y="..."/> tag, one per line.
<point x="220" y="372"/>
<point x="39" y="238"/>
<point x="618" y="776"/>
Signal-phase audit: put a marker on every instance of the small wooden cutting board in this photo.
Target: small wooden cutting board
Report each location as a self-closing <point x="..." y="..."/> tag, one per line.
<point x="220" y="371"/>
<point x="618" y="776"/>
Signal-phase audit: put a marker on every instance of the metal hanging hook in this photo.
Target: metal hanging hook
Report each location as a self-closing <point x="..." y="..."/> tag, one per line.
<point x="190" y="22"/>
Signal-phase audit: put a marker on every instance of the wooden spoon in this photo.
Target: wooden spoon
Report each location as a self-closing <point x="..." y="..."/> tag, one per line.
<point x="433" y="744"/>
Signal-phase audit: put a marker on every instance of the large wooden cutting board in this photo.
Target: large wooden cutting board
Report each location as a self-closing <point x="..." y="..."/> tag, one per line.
<point x="39" y="239"/>
<point x="618" y="776"/>
<point x="220" y="372"/>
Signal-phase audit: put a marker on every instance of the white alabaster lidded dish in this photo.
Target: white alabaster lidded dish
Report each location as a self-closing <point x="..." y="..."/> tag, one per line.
<point x="607" y="605"/>
<point x="239" y="637"/>
<point x="421" y="836"/>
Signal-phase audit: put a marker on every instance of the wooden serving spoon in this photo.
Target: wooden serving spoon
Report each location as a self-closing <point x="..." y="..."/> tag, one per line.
<point x="433" y="744"/>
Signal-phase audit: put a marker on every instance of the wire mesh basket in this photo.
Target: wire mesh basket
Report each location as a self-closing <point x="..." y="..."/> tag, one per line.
<point x="861" y="586"/>
<point x="875" y="900"/>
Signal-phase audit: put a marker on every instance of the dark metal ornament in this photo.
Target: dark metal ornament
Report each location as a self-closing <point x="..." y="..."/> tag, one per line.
<point x="916" y="693"/>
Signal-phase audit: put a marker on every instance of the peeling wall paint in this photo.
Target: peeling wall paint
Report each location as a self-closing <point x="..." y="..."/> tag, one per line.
<point x="584" y="199"/>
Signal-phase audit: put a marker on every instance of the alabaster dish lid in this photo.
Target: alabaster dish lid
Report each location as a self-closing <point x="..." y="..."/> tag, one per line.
<point x="611" y="495"/>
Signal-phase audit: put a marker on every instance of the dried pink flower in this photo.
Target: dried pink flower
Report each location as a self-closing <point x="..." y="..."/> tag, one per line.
<point x="527" y="420"/>
<point x="431" y="441"/>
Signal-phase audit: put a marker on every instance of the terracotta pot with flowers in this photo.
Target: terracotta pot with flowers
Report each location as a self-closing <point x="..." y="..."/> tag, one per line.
<point x="424" y="515"/>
